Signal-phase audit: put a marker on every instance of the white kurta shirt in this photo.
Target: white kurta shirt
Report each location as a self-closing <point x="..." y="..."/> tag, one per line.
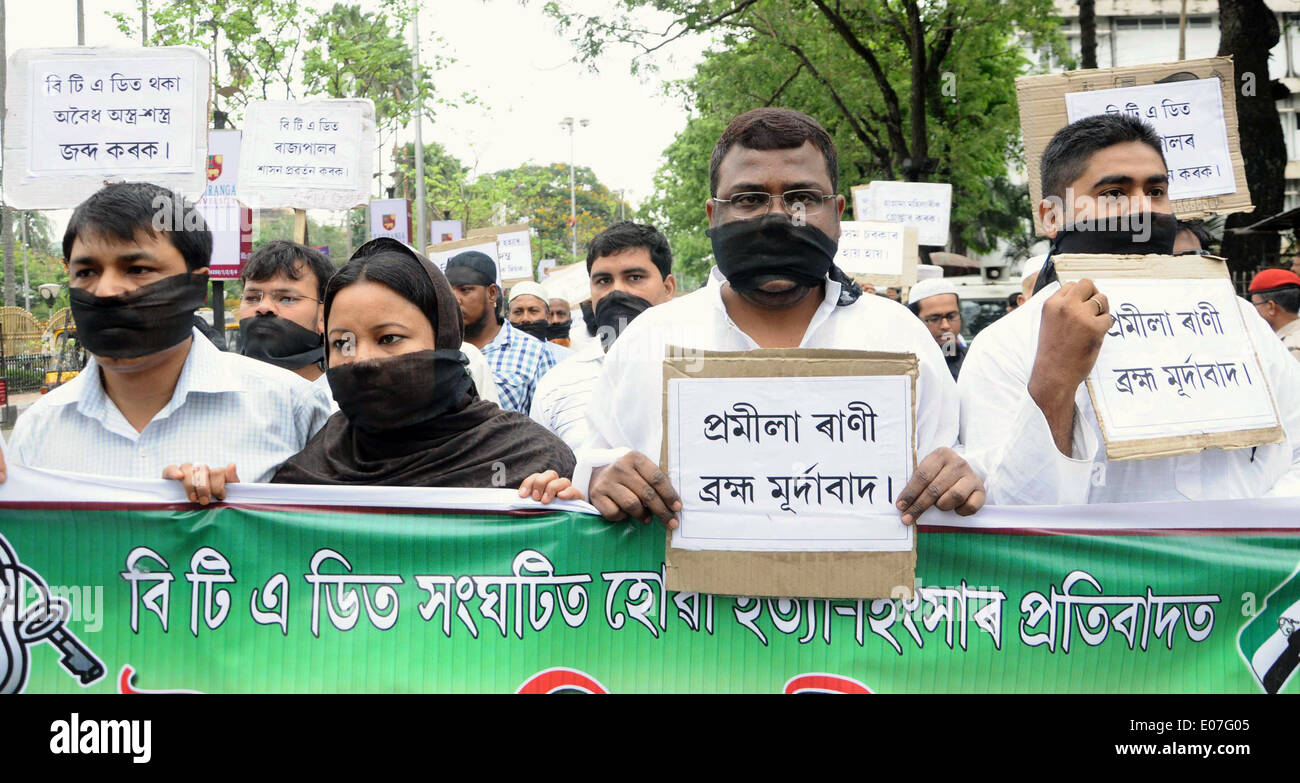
<point x="561" y="398"/>
<point x="626" y="409"/>
<point x="225" y="408"/>
<point x="1006" y="432"/>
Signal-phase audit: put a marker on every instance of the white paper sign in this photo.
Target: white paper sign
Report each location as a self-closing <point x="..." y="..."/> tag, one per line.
<point x="1178" y="361"/>
<point x="1188" y="116"/>
<point x="515" y="255"/>
<point x="308" y="155"/>
<point x="925" y="205"/>
<point x="79" y="116"/>
<point x="390" y="217"/>
<point x="488" y="246"/>
<point x="444" y="231"/>
<point x="229" y="222"/>
<point x="872" y="248"/>
<point x="790" y="464"/>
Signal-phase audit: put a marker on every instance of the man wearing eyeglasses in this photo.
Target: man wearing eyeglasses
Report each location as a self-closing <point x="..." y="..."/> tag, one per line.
<point x="774" y="217"/>
<point x="281" y="318"/>
<point x="936" y="303"/>
<point x="1276" y="296"/>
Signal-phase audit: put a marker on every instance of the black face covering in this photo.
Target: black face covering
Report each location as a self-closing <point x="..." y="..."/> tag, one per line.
<point x="1116" y="237"/>
<point x="147" y="320"/>
<point x="614" y="312"/>
<point x="558" y="330"/>
<point x="401" y="392"/>
<point x="279" y="341"/>
<point x="588" y="317"/>
<point x="535" y="328"/>
<point x="753" y="252"/>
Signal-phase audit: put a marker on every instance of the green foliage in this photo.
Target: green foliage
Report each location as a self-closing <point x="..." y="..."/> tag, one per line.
<point x="341" y="237"/>
<point x="43" y="267"/>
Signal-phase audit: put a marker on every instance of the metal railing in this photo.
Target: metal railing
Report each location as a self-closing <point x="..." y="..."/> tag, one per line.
<point x="25" y="372"/>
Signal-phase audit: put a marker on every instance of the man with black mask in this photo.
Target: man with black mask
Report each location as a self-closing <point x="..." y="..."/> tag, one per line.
<point x="1025" y="411"/>
<point x="156" y="397"/>
<point x="530" y="312"/>
<point x="774" y="219"/>
<point x="280" y="320"/>
<point x="560" y="318"/>
<point x="629" y="266"/>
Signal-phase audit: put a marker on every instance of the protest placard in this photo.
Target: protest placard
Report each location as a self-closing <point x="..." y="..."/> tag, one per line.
<point x="1177" y="372"/>
<point x="79" y="116"/>
<point x="443" y="251"/>
<point x="308" y="154"/>
<point x="788" y="463"/>
<point x="923" y="205"/>
<point x="391" y="217"/>
<point x="1191" y="104"/>
<point x="861" y="201"/>
<point x="878" y="253"/>
<point x="514" y="250"/>
<point x="444" y="231"/>
<point x="230" y="222"/>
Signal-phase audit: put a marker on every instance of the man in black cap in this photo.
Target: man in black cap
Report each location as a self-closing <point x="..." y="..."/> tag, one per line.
<point x="518" y="360"/>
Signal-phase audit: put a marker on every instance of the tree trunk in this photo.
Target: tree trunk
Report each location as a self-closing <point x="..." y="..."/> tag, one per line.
<point x="1247" y="31"/>
<point x="920" y="141"/>
<point x="1088" y="33"/>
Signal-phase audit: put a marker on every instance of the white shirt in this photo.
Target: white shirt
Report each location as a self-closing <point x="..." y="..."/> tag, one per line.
<point x="481" y="373"/>
<point x="560" y="400"/>
<point x="626" y="411"/>
<point x="323" y="383"/>
<point x="1006" y="431"/>
<point x="225" y="408"/>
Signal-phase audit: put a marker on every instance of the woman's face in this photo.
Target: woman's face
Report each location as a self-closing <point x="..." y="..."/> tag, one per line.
<point x="369" y="320"/>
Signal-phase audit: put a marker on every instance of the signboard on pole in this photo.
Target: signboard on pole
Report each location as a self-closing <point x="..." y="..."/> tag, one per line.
<point x="514" y="250"/>
<point x="391" y="217"/>
<point x="308" y="154"/>
<point x="923" y="205"/>
<point x="445" y="231"/>
<point x="79" y="116"/>
<point x="230" y="222"/>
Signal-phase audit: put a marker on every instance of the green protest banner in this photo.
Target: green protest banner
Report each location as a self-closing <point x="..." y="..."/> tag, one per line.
<point x="136" y="598"/>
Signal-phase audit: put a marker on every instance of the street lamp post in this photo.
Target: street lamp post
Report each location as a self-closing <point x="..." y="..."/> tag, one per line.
<point x="567" y="122"/>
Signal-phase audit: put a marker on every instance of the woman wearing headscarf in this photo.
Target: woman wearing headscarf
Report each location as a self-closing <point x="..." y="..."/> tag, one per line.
<point x="409" y="414"/>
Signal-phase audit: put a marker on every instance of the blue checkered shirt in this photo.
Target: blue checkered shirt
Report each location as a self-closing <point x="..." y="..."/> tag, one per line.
<point x="225" y="408"/>
<point x="518" y="361"/>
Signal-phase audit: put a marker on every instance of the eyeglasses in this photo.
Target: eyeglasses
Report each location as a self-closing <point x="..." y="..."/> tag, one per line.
<point x="808" y="202"/>
<point x="254" y="298"/>
<point x="934" y="320"/>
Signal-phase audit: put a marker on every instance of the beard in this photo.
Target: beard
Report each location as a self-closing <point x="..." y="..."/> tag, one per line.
<point x="475" y="328"/>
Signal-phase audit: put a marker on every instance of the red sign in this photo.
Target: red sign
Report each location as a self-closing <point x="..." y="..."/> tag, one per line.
<point x="214" y="167"/>
<point x="4" y="392"/>
<point x="390" y="222"/>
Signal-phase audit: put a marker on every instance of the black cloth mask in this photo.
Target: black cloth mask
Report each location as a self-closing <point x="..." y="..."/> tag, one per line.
<point x="753" y="252"/>
<point x="535" y="328"/>
<point x="614" y="312"/>
<point x="558" y="330"/>
<point x="279" y="341"/>
<point x="402" y="392"/>
<point x="588" y="317"/>
<point x="1152" y="235"/>
<point x="150" y="319"/>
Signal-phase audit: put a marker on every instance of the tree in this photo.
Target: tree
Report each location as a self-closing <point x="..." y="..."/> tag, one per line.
<point x="1088" y="33"/>
<point x="1247" y="31"/>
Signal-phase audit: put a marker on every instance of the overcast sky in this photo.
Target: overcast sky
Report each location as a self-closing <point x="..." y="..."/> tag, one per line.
<point x="510" y="56"/>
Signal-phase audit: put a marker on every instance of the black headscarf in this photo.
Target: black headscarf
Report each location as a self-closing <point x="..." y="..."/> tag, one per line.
<point x="472" y="443"/>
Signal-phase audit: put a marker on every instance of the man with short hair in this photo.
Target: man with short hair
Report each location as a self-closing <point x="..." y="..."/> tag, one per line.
<point x="517" y="360"/>
<point x="629" y="266"/>
<point x="1275" y="293"/>
<point x="530" y="313"/>
<point x="155" y="394"/>
<point x="1025" y="412"/>
<point x="281" y="312"/>
<point x="560" y="320"/>
<point x="774" y="217"/>
<point x="936" y="303"/>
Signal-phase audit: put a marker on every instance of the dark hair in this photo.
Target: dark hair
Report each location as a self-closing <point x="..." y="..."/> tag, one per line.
<point x="291" y="259"/>
<point x="1286" y="298"/>
<point x="626" y="235"/>
<point x="390" y="268"/>
<point x="1198" y="230"/>
<point x="1068" y="153"/>
<point x="124" y="209"/>
<point x="1013" y="300"/>
<point x="770" y="128"/>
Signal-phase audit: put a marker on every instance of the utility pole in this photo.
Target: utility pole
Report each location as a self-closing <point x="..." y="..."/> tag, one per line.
<point x="420" y="218"/>
<point x="567" y="122"/>
<point x="81" y="22"/>
<point x="144" y="22"/>
<point x="27" y="256"/>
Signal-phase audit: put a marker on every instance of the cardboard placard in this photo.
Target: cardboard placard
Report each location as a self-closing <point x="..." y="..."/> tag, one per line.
<point x="861" y="201"/>
<point x="78" y="116"/>
<point x="877" y="253"/>
<point x="442" y="252"/>
<point x="308" y="154"/>
<point x="926" y="206"/>
<point x="842" y="574"/>
<point x="1043" y="112"/>
<point x="514" y="250"/>
<point x="1178" y="372"/>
